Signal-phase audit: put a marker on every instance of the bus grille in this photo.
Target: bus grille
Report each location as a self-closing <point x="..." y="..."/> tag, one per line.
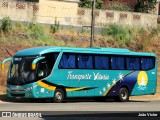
<point x="18" y="95"/>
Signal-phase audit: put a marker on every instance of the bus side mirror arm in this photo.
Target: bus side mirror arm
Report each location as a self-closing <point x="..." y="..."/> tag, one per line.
<point x="35" y="61"/>
<point x="8" y="59"/>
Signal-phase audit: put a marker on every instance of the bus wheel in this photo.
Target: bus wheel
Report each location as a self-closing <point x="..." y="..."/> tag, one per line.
<point x="123" y="95"/>
<point x="59" y="96"/>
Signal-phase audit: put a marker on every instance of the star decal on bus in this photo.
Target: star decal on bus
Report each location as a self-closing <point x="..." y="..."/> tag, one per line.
<point x="114" y="81"/>
<point x="100" y="92"/>
<point x="108" y="85"/>
<point x="104" y="89"/>
<point x="120" y="76"/>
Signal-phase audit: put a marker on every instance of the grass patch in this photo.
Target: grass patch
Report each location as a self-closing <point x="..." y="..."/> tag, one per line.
<point x="118" y="32"/>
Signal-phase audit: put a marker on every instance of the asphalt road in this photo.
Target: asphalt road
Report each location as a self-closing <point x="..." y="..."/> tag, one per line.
<point x="85" y="108"/>
<point x="82" y="106"/>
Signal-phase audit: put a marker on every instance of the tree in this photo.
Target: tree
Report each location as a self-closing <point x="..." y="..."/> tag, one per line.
<point x="145" y="5"/>
<point x="88" y="4"/>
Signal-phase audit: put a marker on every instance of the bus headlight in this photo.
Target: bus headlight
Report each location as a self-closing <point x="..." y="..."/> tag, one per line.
<point x="30" y="88"/>
<point x="8" y="89"/>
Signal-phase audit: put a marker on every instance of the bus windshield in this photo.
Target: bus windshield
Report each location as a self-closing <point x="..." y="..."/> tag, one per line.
<point x="21" y="72"/>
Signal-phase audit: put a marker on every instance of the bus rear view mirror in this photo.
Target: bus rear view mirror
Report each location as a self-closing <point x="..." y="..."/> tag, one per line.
<point x="33" y="67"/>
<point x="2" y="65"/>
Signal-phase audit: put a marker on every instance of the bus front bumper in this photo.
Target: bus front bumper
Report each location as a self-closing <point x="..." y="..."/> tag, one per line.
<point x="29" y="91"/>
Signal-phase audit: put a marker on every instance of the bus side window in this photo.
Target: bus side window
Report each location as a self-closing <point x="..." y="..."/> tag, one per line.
<point x="117" y="63"/>
<point x="133" y="63"/>
<point x="42" y="69"/>
<point x="85" y="62"/>
<point x="50" y="60"/>
<point x="147" y="63"/>
<point x="67" y="61"/>
<point x="102" y="62"/>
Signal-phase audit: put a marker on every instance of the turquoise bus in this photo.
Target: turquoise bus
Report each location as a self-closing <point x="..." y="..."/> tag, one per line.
<point x="62" y="72"/>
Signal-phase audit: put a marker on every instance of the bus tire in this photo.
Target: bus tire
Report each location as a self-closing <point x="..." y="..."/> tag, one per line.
<point x="123" y="95"/>
<point x="59" y="96"/>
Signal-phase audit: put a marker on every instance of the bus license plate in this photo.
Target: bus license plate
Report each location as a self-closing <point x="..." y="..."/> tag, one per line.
<point x="18" y="97"/>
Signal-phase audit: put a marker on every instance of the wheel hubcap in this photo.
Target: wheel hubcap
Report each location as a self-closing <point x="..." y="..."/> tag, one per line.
<point x="58" y="96"/>
<point x="124" y="95"/>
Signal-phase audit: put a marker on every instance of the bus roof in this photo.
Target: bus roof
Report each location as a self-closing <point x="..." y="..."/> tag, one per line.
<point x="48" y="49"/>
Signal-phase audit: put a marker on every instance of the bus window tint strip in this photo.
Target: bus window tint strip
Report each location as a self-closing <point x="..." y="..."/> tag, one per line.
<point x="85" y="62"/>
<point x="102" y="62"/>
<point x="133" y="63"/>
<point x="147" y="63"/>
<point x="105" y="62"/>
<point x="68" y="61"/>
<point x="117" y="63"/>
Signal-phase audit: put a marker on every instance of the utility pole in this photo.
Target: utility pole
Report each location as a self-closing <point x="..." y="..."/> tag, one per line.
<point x="92" y="23"/>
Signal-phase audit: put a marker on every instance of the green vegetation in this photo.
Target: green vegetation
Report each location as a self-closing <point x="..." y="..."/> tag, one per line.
<point x="100" y="4"/>
<point x="141" y="6"/>
<point x="33" y="34"/>
<point x="118" y="6"/>
<point x="6" y="24"/>
<point x="118" y="32"/>
<point x="55" y="27"/>
<point x="30" y="34"/>
<point x="145" y="5"/>
<point x="88" y="4"/>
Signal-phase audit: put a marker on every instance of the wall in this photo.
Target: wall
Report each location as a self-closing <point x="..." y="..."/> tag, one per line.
<point x="104" y="17"/>
<point x="65" y="12"/>
<point x="17" y="11"/>
<point x="43" y="12"/>
<point x="68" y="13"/>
